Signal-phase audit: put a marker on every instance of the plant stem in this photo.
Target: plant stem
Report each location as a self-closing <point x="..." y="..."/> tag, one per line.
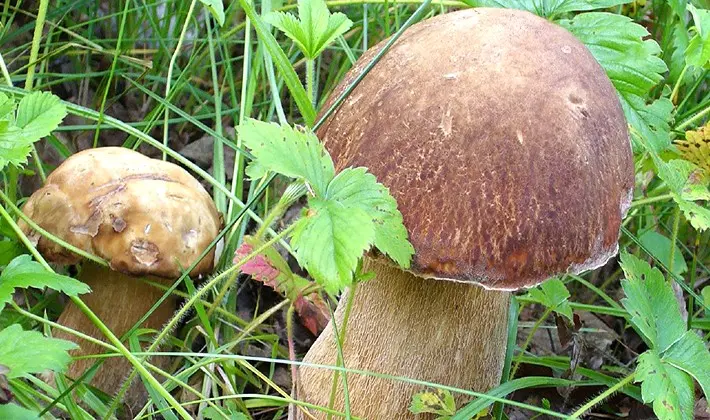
<point x="36" y="38"/>
<point x="168" y="83"/>
<point x="693" y="119"/>
<point x="5" y="73"/>
<point x="535" y="327"/>
<point x="674" y="94"/>
<point x="218" y="148"/>
<point x="311" y="80"/>
<point x="601" y="397"/>
<point x="674" y="238"/>
<point x="339" y="360"/>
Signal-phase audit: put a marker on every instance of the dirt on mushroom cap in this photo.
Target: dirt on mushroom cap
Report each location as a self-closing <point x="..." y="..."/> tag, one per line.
<point x="502" y="140"/>
<point x="144" y="216"/>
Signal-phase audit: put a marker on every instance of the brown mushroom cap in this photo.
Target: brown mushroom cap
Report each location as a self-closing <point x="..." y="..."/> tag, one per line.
<point x="145" y="216"/>
<point x="502" y="140"/>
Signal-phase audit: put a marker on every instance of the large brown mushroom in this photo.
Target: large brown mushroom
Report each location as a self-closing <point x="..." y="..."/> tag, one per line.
<point x="505" y="145"/>
<point x="147" y="218"/>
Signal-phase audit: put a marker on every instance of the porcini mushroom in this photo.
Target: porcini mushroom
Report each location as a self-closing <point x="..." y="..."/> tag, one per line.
<point x="506" y="147"/>
<point x="147" y="218"/>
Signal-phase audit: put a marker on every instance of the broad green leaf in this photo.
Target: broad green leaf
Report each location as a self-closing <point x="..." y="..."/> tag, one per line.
<point x="9" y="249"/>
<point x="355" y="187"/>
<point x="698" y="51"/>
<point x="651" y="303"/>
<point x="670" y="390"/>
<point x="289" y="152"/>
<point x="38" y="114"/>
<point x="22" y="272"/>
<point x="706" y="298"/>
<point x="690" y="355"/>
<point x="283" y="64"/>
<point x="548" y="8"/>
<point x="314" y="28"/>
<point x="216" y="8"/>
<point x="660" y="247"/>
<point x="14" y="146"/>
<point x="28" y="352"/>
<point x="439" y="402"/>
<point x="330" y="241"/>
<point x="553" y="294"/>
<point x="15" y="412"/>
<point x="631" y="61"/>
<point x="7" y="108"/>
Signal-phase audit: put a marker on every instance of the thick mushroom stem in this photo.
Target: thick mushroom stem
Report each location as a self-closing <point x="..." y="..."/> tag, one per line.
<point x="438" y="331"/>
<point x="119" y="301"/>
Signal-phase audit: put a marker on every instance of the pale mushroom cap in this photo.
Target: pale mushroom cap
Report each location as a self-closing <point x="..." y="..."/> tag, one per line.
<point x="502" y="140"/>
<point x="144" y="216"/>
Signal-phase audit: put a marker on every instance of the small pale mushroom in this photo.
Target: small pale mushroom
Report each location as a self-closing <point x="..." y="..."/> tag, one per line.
<point x="147" y="218"/>
<point x="507" y="150"/>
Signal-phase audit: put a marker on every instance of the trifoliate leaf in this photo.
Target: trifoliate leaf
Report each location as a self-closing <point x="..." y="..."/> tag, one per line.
<point x="698" y="51"/>
<point x="355" y="187"/>
<point x="38" y="114"/>
<point x="290" y="152"/>
<point x="651" y="303"/>
<point x="216" y="8"/>
<point x="548" y="8"/>
<point x="314" y="29"/>
<point x="660" y="247"/>
<point x="439" y="402"/>
<point x="28" y="352"/>
<point x="670" y="390"/>
<point x="631" y="61"/>
<point x="330" y="241"/>
<point x="15" y="412"/>
<point x="690" y="355"/>
<point x="22" y="272"/>
<point x="553" y="294"/>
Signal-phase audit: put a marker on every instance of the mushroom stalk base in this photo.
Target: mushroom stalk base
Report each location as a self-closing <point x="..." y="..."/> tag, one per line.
<point x="119" y="301"/>
<point x="431" y="330"/>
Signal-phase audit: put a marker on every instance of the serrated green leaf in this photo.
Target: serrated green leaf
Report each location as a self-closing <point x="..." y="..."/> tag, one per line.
<point x="7" y="108"/>
<point x="630" y="58"/>
<point x="553" y="294"/>
<point x="289" y="152"/>
<point x="216" y="8"/>
<point x="15" y="412"/>
<point x="698" y="51"/>
<point x="330" y="241"/>
<point x="548" y="8"/>
<point x="660" y="247"/>
<point x="651" y="303"/>
<point x="14" y="146"/>
<point x="314" y="29"/>
<point x="670" y="390"/>
<point x="22" y="272"/>
<point x="28" y="352"/>
<point x="355" y="187"/>
<point x="690" y="355"/>
<point x="38" y="114"/>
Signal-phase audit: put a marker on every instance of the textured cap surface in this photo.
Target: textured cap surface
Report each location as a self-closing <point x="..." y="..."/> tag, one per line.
<point x="145" y="216"/>
<point x="502" y="140"/>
